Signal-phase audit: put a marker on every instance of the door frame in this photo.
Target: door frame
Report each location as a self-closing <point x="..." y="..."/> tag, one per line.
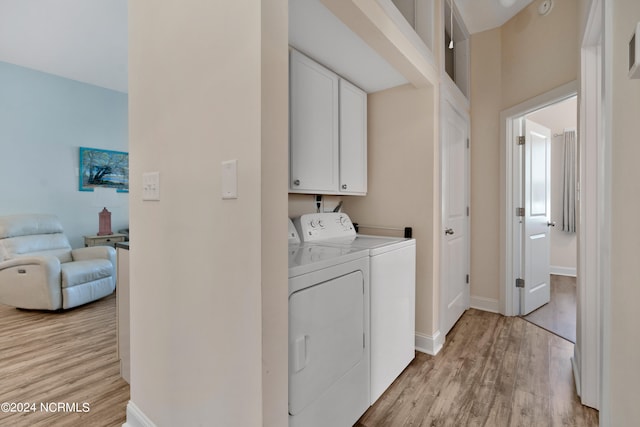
<point x="450" y="97"/>
<point x="511" y="191"/>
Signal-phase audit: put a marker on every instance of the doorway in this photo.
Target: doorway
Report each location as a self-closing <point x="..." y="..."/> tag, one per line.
<point x="557" y="312"/>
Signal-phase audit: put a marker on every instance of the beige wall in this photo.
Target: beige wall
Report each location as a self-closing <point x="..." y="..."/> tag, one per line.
<point x="528" y="56"/>
<point x="486" y="101"/>
<point x="539" y="53"/>
<point x="196" y="261"/>
<point x="402" y="165"/>
<point x="274" y="174"/>
<point x="625" y="233"/>
<point x="558" y="118"/>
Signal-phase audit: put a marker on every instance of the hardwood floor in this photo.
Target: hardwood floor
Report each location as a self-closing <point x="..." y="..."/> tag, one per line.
<point x="559" y="315"/>
<point x="68" y="357"/>
<point x="493" y="371"/>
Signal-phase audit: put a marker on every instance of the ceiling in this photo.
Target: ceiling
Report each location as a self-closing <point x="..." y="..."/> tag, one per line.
<point x="482" y="15"/>
<point x="77" y="39"/>
<point x="87" y="40"/>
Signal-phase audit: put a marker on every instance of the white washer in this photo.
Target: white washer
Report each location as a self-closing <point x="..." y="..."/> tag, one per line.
<point x="328" y="334"/>
<point x="392" y="277"/>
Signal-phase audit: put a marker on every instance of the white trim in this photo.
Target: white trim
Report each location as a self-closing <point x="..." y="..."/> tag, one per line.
<point x="136" y="418"/>
<point x="459" y="107"/>
<point x="407" y="30"/>
<point x="509" y="299"/>
<point x="485" y="304"/>
<point x="576" y="370"/>
<point x="429" y="344"/>
<point x="593" y="229"/>
<point x="563" y="271"/>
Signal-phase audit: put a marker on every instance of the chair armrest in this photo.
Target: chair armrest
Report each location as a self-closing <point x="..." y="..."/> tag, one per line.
<point x="96" y="252"/>
<point x="93" y="252"/>
<point x="48" y="262"/>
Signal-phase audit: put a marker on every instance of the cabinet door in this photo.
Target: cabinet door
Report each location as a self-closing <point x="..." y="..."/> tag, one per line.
<point x="353" y="139"/>
<point x="314" y="133"/>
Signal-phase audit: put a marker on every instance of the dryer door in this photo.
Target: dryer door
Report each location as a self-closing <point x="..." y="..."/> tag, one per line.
<point x="326" y="336"/>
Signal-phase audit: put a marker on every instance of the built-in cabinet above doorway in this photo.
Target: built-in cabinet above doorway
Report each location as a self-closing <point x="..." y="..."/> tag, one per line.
<point x="328" y="131"/>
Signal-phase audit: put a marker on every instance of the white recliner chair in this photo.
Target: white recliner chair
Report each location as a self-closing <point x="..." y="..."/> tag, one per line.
<point x="39" y="270"/>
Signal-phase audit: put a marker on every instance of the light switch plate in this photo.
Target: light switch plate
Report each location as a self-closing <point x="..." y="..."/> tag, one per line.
<point x="151" y="186"/>
<point x="230" y="179"/>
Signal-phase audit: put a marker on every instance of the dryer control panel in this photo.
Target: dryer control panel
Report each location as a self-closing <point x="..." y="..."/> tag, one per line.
<point x="325" y="226"/>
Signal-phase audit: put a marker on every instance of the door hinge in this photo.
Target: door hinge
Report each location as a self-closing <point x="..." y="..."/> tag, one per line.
<point x="467" y="142"/>
<point x="520" y="140"/>
<point x="467" y="210"/>
<point x="519" y="211"/>
<point x="363" y="342"/>
<point x="467" y="279"/>
<point x="519" y="283"/>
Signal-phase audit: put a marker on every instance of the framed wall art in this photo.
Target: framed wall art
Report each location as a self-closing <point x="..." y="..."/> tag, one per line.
<point x="103" y="168"/>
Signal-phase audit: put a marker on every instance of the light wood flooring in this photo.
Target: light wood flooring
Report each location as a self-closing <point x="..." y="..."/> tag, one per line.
<point x="67" y="357"/>
<point x="493" y="371"/>
<point x="559" y="315"/>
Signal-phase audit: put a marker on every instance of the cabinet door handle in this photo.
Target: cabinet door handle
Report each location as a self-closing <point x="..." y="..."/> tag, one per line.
<point x="296" y="182"/>
<point x="344" y="186"/>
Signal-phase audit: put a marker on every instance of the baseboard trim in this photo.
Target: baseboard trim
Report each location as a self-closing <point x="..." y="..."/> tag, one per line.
<point x="136" y="418"/>
<point x="429" y="344"/>
<point x="576" y="375"/>
<point x="563" y="271"/>
<point x="485" y="304"/>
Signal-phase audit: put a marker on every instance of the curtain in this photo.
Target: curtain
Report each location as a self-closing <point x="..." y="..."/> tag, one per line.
<point x="569" y="183"/>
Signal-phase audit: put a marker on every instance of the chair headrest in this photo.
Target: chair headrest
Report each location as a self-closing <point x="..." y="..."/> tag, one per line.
<point x="29" y="224"/>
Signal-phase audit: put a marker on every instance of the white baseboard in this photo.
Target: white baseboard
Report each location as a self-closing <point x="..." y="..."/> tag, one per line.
<point x="485" y="304"/>
<point x="563" y="271"/>
<point x="429" y="344"/>
<point x="136" y="418"/>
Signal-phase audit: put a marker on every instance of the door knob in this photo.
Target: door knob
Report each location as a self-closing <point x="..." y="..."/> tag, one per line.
<point x="449" y="232"/>
<point x="551" y="224"/>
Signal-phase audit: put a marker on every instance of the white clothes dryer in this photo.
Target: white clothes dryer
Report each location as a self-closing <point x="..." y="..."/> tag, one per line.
<point x="329" y="351"/>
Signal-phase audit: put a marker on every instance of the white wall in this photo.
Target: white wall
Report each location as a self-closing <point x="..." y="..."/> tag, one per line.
<point x="44" y="119"/>
<point x="557" y="118"/>
<point x="198" y="72"/>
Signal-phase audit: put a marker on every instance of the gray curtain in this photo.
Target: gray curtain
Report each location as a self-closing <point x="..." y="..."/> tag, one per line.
<point x="569" y="185"/>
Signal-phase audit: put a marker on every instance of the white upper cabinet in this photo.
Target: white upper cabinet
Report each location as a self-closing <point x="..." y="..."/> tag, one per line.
<point x="328" y="131"/>
<point x="314" y="126"/>
<point x="353" y="139"/>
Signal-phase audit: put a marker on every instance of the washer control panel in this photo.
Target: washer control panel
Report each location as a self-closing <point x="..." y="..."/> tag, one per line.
<point x="324" y="226"/>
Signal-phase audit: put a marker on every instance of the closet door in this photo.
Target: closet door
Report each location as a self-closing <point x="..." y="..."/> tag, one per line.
<point x="314" y="127"/>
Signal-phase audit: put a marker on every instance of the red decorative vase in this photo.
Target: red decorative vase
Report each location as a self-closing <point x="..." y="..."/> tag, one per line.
<point x="104" y="223"/>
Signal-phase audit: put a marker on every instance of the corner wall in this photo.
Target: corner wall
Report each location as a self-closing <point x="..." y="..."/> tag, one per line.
<point x="44" y="119"/>
<point x="196" y="87"/>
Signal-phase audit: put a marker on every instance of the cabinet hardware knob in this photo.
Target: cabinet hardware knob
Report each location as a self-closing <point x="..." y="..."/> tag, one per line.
<point x="449" y="231"/>
<point x="296" y="182"/>
<point x="344" y="186"/>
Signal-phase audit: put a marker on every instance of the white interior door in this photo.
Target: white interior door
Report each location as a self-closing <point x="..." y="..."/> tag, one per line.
<point x="537" y="189"/>
<point x="455" y="220"/>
